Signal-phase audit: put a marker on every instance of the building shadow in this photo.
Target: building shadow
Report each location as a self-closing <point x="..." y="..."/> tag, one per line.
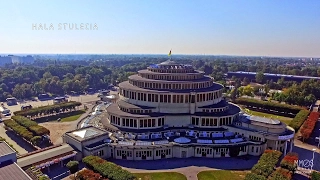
<point x="20" y="141"/>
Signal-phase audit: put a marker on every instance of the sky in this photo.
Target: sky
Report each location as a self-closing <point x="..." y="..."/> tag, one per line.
<point x="210" y="27"/>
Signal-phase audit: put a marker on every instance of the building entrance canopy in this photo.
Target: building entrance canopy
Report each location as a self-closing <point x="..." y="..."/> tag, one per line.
<point x="53" y="161"/>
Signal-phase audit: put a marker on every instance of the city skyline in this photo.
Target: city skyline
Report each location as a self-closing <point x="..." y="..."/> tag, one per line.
<point x="235" y="28"/>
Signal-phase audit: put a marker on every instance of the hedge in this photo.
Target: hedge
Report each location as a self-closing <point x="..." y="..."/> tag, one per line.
<point x="309" y="125"/>
<point x="298" y="120"/>
<point x="289" y="161"/>
<point x="253" y="176"/>
<point x="48" y="109"/>
<point x="107" y="169"/>
<point x="36" y="140"/>
<point x="266" y="163"/>
<point x="31" y="125"/>
<point x="20" y="130"/>
<point x="281" y="174"/>
<point x="89" y="174"/>
<point x="315" y="175"/>
<point x="269" y="105"/>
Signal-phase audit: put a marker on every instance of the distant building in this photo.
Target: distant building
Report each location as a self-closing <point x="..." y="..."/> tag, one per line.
<point x="27" y="60"/>
<point x="5" y="60"/>
<point x="12" y="59"/>
<point x="269" y="76"/>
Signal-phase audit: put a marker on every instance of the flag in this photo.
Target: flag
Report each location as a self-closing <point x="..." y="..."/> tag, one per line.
<point x="169" y="53"/>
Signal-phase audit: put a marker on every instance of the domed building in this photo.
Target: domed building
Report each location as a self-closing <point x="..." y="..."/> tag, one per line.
<point x="172" y="110"/>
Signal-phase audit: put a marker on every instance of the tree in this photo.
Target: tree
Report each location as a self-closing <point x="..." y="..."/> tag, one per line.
<point x="246" y="81"/>
<point x="73" y="166"/>
<point x="259" y="77"/>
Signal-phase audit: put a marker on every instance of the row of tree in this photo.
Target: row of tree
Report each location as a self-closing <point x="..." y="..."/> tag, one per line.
<point x="309" y="125"/>
<point x="268" y="106"/>
<point x="299" y="119"/>
<point x="49" y="110"/>
<point x="60" y="76"/>
<point x="107" y="169"/>
<point x="265" y="166"/>
<point x="27" y="129"/>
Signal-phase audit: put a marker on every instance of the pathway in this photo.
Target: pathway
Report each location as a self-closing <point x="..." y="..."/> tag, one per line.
<point x="3" y="134"/>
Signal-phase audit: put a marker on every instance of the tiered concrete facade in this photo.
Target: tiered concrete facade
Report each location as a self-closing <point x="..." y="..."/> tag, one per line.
<point x="171" y="110"/>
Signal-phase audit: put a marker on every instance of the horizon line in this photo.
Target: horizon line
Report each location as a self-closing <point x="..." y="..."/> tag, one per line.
<point x="157" y="55"/>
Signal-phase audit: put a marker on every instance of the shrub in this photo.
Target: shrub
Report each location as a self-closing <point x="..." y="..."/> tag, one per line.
<point x="298" y="120"/>
<point x="289" y="161"/>
<point x="36" y="140"/>
<point x="20" y="130"/>
<point x="73" y="166"/>
<point x="87" y="174"/>
<point x="281" y="174"/>
<point x="107" y="169"/>
<point x="50" y="109"/>
<point x="309" y="125"/>
<point x="23" y="121"/>
<point x="315" y="175"/>
<point x="253" y="176"/>
<point x="266" y="163"/>
<point x="39" y="130"/>
<point x="31" y="125"/>
<point x="267" y="105"/>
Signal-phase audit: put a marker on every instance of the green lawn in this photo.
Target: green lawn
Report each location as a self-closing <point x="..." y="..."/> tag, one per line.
<point x="65" y="117"/>
<point x="283" y="119"/>
<point x="222" y="174"/>
<point x="160" y="176"/>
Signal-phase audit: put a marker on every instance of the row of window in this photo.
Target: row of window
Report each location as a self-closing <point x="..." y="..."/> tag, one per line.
<point x="211" y="121"/>
<point x="215" y="109"/>
<point x="255" y="149"/>
<point x="136" y="111"/>
<point x="200" y="97"/>
<point x="159" y="70"/>
<point x="255" y="138"/>
<point x="124" y="153"/>
<point x="134" y="122"/>
<point x="99" y="153"/>
<point x="179" y="86"/>
<point x="171" y="77"/>
<point x="163" y="151"/>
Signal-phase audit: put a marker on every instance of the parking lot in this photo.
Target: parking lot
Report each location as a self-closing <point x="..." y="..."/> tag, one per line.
<point x="81" y="98"/>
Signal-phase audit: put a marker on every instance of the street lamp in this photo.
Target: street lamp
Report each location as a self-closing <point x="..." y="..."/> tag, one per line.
<point x="314" y="150"/>
<point x="318" y="139"/>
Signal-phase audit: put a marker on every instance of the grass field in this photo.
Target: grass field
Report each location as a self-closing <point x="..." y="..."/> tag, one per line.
<point x="283" y="119"/>
<point x="222" y="174"/>
<point x="160" y="176"/>
<point x="65" y="117"/>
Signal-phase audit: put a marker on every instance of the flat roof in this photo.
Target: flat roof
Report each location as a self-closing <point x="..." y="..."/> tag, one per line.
<point x="132" y="106"/>
<point x="5" y="149"/>
<point x="44" y="155"/>
<point x="86" y="133"/>
<point x="158" y="73"/>
<point x="114" y="109"/>
<point x="126" y="85"/>
<point x="11" y="170"/>
<point x="139" y="78"/>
